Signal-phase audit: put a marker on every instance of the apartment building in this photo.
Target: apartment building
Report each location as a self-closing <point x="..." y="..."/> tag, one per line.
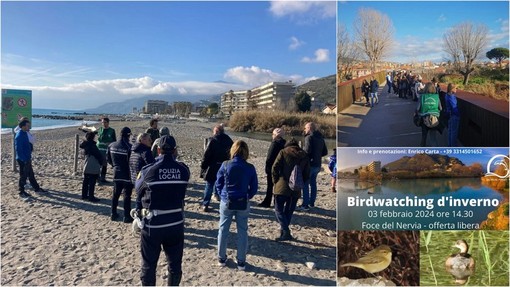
<point x="374" y="166"/>
<point x="271" y="96"/>
<point x="155" y="106"/>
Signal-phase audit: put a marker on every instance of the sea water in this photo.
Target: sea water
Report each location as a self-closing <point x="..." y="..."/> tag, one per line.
<point x="46" y="124"/>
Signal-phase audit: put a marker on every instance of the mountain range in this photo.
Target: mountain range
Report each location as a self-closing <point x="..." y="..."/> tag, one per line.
<point x="127" y="106"/>
<point x="324" y="89"/>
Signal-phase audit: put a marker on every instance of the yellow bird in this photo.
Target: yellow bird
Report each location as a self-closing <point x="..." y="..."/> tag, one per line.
<point x="374" y="261"/>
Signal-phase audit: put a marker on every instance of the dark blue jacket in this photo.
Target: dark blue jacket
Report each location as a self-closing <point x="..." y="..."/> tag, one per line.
<point x="23" y="146"/>
<point x="374" y="86"/>
<point x="237" y="178"/>
<point x="141" y="156"/>
<point x="162" y="186"/>
<point x="117" y="155"/>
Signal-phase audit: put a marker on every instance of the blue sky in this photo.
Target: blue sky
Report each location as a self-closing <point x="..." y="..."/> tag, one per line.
<point x="77" y="55"/>
<point x="419" y="25"/>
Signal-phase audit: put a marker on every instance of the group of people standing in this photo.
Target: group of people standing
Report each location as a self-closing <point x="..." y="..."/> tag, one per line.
<point x="231" y="179"/>
<point x="404" y="84"/>
<point x="161" y="182"/>
<point x="126" y="158"/>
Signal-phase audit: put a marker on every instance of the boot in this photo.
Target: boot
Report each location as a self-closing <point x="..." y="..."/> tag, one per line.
<point x="286" y="235"/>
<point x="174" y="279"/>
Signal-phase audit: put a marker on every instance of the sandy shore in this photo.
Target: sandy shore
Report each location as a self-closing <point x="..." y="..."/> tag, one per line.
<point x="58" y="239"/>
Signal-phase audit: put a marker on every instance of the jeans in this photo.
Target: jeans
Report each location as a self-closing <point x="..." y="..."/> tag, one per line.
<point x="26" y="171"/>
<point x="88" y="185"/>
<point x="453" y="130"/>
<point x="310" y="188"/>
<point x="241" y="218"/>
<point x="389" y="87"/>
<point x="126" y="188"/>
<point x="172" y="240"/>
<point x="284" y="207"/>
<point x="372" y="96"/>
<point x="209" y="189"/>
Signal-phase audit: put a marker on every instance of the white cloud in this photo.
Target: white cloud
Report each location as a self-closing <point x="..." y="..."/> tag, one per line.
<point x="304" y="11"/>
<point x="255" y="76"/>
<point x="501" y="37"/>
<point x="295" y="43"/>
<point x="441" y="18"/>
<point x="414" y="48"/>
<point x="321" y="56"/>
<point x="90" y="94"/>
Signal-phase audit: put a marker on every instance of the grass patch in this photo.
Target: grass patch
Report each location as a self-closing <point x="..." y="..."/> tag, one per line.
<point x="292" y="123"/>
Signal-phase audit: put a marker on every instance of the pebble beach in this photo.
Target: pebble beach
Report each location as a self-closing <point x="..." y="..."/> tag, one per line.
<point x="56" y="238"/>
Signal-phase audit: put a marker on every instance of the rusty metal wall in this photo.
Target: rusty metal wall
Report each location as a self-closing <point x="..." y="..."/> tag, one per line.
<point x="349" y="91"/>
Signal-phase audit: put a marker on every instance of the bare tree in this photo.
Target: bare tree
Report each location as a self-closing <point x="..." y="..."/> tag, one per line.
<point x="464" y="43"/>
<point x="374" y="35"/>
<point x="347" y="53"/>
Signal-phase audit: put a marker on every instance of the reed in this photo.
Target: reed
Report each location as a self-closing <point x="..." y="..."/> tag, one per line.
<point x="427" y="241"/>
<point x="482" y="245"/>
<point x="292" y="123"/>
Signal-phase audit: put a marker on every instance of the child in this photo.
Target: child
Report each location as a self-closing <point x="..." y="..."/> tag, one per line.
<point x="332" y="168"/>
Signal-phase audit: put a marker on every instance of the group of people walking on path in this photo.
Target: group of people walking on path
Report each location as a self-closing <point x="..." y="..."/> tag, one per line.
<point x="160" y="183"/>
<point x="436" y="109"/>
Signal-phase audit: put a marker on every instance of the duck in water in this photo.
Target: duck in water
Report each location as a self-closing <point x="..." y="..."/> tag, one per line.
<point x="461" y="265"/>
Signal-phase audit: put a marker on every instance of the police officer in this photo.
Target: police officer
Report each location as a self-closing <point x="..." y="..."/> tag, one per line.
<point x="160" y="188"/>
<point x="117" y="155"/>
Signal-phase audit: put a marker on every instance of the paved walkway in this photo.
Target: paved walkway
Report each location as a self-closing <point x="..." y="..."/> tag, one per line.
<point x="388" y="124"/>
